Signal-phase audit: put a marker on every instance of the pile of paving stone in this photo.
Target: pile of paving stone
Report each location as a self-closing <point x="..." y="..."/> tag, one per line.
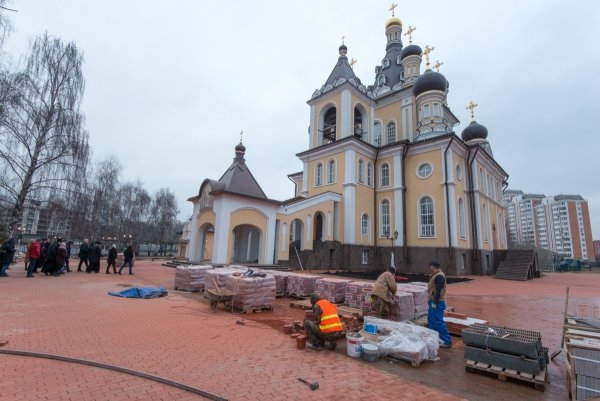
<point x="331" y="289"/>
<point x="301" y="285"/>
<point x="355" y="291"/>
<point x="190" y="278"/>
<point x="252" y="292"/>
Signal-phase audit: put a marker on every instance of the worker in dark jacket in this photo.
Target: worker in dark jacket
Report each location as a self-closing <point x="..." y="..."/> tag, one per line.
<point x="326" y="322"/>
<point x="8" y="253"/>
<point x="437" y="304"/>
<point x="83" y="255"/>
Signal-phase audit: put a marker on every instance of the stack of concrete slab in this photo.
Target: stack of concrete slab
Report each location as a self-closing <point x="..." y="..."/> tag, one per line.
<point x="280" y="281"/>
<point x="457" y="322"/>
<point x="403" y="307"/>
<point x="191" y="278"/>
<point x="503" y="347"/>
<point x="355" y="291"/>
<point x="252" y="293"/>
<point x="301" y="285"/>
<point x="332" y="289"/>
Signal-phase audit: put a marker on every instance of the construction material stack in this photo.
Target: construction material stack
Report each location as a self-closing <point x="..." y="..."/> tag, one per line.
<point x="355" y="291"/>
<point x="582" y="339"/>
<point x="301" y="285"/>
<point x="507" y="352"/>
<point x="252" y="293"/>
<point x="191" y="278"/>
<point x="331" y="289"/>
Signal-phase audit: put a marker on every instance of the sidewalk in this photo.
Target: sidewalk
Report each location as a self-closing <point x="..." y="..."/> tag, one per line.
<point x="176" y="337"/>
<point x="232" y="356"/>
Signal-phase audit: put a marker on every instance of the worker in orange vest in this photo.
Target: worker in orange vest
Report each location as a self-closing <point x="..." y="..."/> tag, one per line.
<point x="326" y="322"/>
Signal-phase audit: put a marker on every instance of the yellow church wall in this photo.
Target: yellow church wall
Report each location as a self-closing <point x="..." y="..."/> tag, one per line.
<point x="336" y="186"/>
<point x="206" y="216"/>
<point x="388" y="113"/>
<point x="417" y="188"/>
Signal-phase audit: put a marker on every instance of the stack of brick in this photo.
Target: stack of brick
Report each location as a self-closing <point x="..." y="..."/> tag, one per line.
<point x="420" y="298"/>
<point x="218" y="277"/>
<point x="331" y="289"/>
<point x="190" y="278"/>
<point x="402" y="307"/>
<point x="355" y="291"/>
<point x="252" y="293"/>
<point x="280" y="281"/>
<point x="301" y="285"/>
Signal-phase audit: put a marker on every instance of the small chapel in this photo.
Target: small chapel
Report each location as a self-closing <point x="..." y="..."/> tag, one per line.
<point x="385" y="181"/>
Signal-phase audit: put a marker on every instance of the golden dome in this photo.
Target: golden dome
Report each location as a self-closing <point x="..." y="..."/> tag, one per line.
<point x="393" y="21"/>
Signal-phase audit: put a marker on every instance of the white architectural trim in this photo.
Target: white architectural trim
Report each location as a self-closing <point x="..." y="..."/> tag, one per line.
<point x="346" y="114"/>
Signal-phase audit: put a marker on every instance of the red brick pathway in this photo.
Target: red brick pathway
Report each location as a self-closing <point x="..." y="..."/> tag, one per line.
<point x="176" y="337"/>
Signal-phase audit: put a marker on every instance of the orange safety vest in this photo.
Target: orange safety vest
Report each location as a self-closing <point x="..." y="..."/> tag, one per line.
<point x="330" y="321"/>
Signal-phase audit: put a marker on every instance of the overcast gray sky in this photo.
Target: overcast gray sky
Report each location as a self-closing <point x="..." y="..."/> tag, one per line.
<point x="170" y="84"/>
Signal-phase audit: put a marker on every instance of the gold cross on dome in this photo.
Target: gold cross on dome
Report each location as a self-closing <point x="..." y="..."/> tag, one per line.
<point x="343" y="37"/>
<point x="426" y="53"/>
<point x="393" y="8"/>
<point x="471" y="107"/>
<point x="437" y="65"/>
<point x="409" y="32"/>
<point x="352" y="62"/>
<point x="241" y="133"/>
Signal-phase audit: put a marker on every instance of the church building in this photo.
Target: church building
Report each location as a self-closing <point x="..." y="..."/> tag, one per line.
<point x="385" y="181"/>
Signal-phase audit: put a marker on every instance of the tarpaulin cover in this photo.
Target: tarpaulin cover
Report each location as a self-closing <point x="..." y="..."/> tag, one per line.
<point x="141" y="292"/>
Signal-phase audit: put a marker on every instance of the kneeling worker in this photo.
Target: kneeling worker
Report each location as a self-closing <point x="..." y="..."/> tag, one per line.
<point x="326" y="322"/>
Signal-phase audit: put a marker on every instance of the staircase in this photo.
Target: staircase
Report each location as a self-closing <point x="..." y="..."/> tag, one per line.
<point x="519" y="264"/>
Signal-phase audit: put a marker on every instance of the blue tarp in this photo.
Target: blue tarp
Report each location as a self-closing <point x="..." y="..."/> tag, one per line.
<point x="141" y="292"/>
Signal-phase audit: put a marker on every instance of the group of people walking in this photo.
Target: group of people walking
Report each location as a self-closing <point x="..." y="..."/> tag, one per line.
<point x="90" y="256"/>
<point x="52" y="258"/>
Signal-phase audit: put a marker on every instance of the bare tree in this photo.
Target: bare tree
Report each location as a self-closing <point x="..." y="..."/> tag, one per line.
<point x="41" y="126"/>
<point x="163" y="216"/>
<point x="104" y="212"/>
<point x="135" y="205"/>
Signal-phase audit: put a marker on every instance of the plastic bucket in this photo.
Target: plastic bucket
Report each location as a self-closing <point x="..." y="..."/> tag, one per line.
<point x="354" y="344"/>
<point x="370" y="352"/>
<point x="370" y="328"/>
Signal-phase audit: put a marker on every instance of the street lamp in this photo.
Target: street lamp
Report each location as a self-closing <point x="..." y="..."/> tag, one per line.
<point x="20" y="229"/>
<point x="393" y="238"/>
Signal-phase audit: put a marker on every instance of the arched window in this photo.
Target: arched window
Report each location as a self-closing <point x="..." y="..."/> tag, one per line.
<point x="369" y="174"/>
<point x="377" y="134"/>
<point x="391" y="132"/>
<point x="331" y="172"/>
<point x="381" y="80"/>
<point x="462" y="232"/>
<point x="384" y="213"/>
<point x="364" y="224"/>
<point x="426" y="217"/>
<point x="358" y="124"/>
<point x="329" y="125"/>
<point x="319" y="174"/>
<point x="361" y="178"/>
<point x="385" y="175"/>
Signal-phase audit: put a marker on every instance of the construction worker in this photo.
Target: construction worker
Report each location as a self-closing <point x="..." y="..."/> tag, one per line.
<point x="383" y="293"/>
<point x="437" y="304"/>
<point x="326" y="322"/>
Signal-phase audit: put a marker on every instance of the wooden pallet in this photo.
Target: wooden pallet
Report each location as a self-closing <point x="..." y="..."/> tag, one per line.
<point x="503" y="374"/>
<point x="256" y="310"/>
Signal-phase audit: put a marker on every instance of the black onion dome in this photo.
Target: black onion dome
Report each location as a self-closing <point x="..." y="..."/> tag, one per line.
<point x="343" y="47"/>
<point x="474" y="131"/>
<point x="411" y="50"/>
<point x="240" y="148"/>
<point x="430" y="81"/>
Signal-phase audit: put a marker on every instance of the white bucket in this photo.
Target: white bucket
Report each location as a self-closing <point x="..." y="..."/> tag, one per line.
<point x="354" y="344"/>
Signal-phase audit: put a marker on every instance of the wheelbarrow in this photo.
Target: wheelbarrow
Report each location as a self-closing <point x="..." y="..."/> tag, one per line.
<point x="220" y="295"/>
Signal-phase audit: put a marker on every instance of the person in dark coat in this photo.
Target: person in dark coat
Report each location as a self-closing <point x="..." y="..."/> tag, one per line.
<point x="83" y="255"/>
<point x="61" y="258"/>
<point x="69" y="243"/>
<point x="127" y="259"/>
<point x="112" y="259"/>
<point x="8" y="253"/>
<point x="50" y="266"/>
<point x="94" y="258"/>
<point x="41" y="263"/>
